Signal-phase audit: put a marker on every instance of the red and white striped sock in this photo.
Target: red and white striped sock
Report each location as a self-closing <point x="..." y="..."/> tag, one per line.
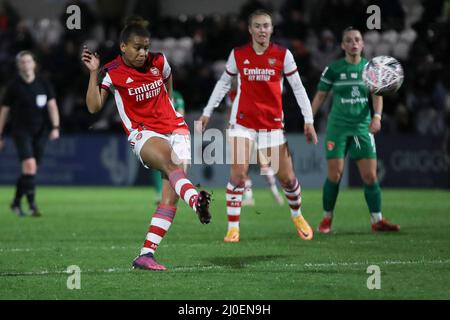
<point x="183" y="187"/>
<point x="234" y="199"/>
<point x="161" y="221"/>
<point x="294" y="196"/>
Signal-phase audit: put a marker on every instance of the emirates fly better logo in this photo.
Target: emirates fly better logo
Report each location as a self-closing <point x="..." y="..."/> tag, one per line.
<point x="258" y="74"/>
<point x="147" y="90"/>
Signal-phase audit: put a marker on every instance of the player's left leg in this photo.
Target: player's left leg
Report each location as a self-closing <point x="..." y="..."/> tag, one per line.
<point x="241" y="147"/>
<point x="372" y="193"/>
<point x="281" y="160"/>
<point x="39" y="142"/>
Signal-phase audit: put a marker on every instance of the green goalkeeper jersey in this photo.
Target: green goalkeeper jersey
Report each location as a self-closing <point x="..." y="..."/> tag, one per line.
<point x="350" y="111"/>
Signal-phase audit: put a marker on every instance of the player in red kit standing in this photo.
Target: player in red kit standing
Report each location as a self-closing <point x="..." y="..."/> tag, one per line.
<point x="141" y="83"/>
<point x="257" y="116"/>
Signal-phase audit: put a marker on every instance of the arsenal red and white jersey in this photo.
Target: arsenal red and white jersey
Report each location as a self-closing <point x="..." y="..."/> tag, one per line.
<point x="258" y="102"/>
<point x="141" y="97"/>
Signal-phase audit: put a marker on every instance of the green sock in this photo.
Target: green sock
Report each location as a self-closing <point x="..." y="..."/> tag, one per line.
<point x="372" y="194"/>
<point x="157" y="181"/>
<point x="329" y="195"/>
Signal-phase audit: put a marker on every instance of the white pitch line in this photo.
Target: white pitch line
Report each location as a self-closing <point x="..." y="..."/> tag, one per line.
<point x="385" y="262"/>
<point x="222" y="267"/>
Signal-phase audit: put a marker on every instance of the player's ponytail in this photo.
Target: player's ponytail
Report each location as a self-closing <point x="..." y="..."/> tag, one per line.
<point x="134" y="26"/>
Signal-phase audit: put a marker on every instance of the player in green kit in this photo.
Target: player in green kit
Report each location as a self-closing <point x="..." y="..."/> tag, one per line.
<point x="350" y="129"/>
<point x="178" y="104"/>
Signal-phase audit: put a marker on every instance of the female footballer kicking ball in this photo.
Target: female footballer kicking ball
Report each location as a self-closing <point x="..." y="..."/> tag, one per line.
<point x="142" y="84"/>
<point x="350" y="129"/>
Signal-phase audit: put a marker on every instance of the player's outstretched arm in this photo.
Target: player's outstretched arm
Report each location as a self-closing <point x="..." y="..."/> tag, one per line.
<point x="94" y="97"/>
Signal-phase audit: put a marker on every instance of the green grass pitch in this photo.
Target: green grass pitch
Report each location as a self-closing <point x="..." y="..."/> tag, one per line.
<point x="101" y="231"/>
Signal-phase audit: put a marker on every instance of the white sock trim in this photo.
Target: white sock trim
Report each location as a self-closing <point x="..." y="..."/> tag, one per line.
<point x="375" y="217"/>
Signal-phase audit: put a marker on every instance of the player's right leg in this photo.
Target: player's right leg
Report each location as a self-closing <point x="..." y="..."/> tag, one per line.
<point x="240" y="158"/>
<point x="163" y="152"/>
<point x="330" y="191"/>
<point x="336" y="147"/>
<point x="157" y="153"/>
<point x="25" y="183"/>
<point x="159" y="225"/>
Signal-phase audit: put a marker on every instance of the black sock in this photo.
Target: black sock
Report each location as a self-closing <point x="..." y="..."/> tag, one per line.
<point x="29" y="189"/>
<point x="19" y="191"/>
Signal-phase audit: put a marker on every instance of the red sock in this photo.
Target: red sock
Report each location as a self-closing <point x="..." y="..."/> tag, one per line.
<point x="234" y="199"/>
<point x="161" y="221"/>
<point x="294" y="196"/>
<point x="183" y="187"/>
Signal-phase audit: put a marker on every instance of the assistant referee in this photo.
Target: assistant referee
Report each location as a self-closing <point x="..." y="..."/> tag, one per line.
<point x="30" y="100"/>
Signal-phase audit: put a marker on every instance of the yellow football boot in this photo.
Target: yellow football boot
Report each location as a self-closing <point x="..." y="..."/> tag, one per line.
<point x="232" y="235"/>
<point x="303" y="228"/>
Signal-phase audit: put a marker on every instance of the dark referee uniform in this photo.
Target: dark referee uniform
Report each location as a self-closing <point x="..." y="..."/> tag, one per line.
<point x="30" y="123"/>
<point x="30" y="128"/>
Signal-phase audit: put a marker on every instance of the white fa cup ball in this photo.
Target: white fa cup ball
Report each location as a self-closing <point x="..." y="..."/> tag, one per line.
<point x="383" y="75"/>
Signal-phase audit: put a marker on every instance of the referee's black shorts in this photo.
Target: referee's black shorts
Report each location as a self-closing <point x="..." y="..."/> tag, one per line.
<point x="30" y="145"/>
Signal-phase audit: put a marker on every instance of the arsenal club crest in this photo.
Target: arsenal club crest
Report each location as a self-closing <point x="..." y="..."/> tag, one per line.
<point x="139" y="136"/>
<point x="272" y="61"/>
<point x="154" y="71"/>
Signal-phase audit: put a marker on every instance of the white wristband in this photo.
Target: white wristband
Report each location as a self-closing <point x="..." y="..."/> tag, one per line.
<point x="377" y="115"/>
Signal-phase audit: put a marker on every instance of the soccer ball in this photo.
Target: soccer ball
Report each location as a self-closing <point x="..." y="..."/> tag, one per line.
<point x="383" y="75"/>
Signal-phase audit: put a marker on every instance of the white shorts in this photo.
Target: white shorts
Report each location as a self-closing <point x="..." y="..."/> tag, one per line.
<point x="263" y="138"/>
<point x="180" y="143"/>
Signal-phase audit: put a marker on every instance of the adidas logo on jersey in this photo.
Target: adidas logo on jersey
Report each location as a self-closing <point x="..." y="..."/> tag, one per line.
<point x="129" y="80"/>
<point x="246" y="61"/>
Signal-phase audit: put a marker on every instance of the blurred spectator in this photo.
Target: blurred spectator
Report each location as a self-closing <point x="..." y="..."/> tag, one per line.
<point x="327" y="50"/>
<point x="197" y="45"/>
<point x="294" y="25"/>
